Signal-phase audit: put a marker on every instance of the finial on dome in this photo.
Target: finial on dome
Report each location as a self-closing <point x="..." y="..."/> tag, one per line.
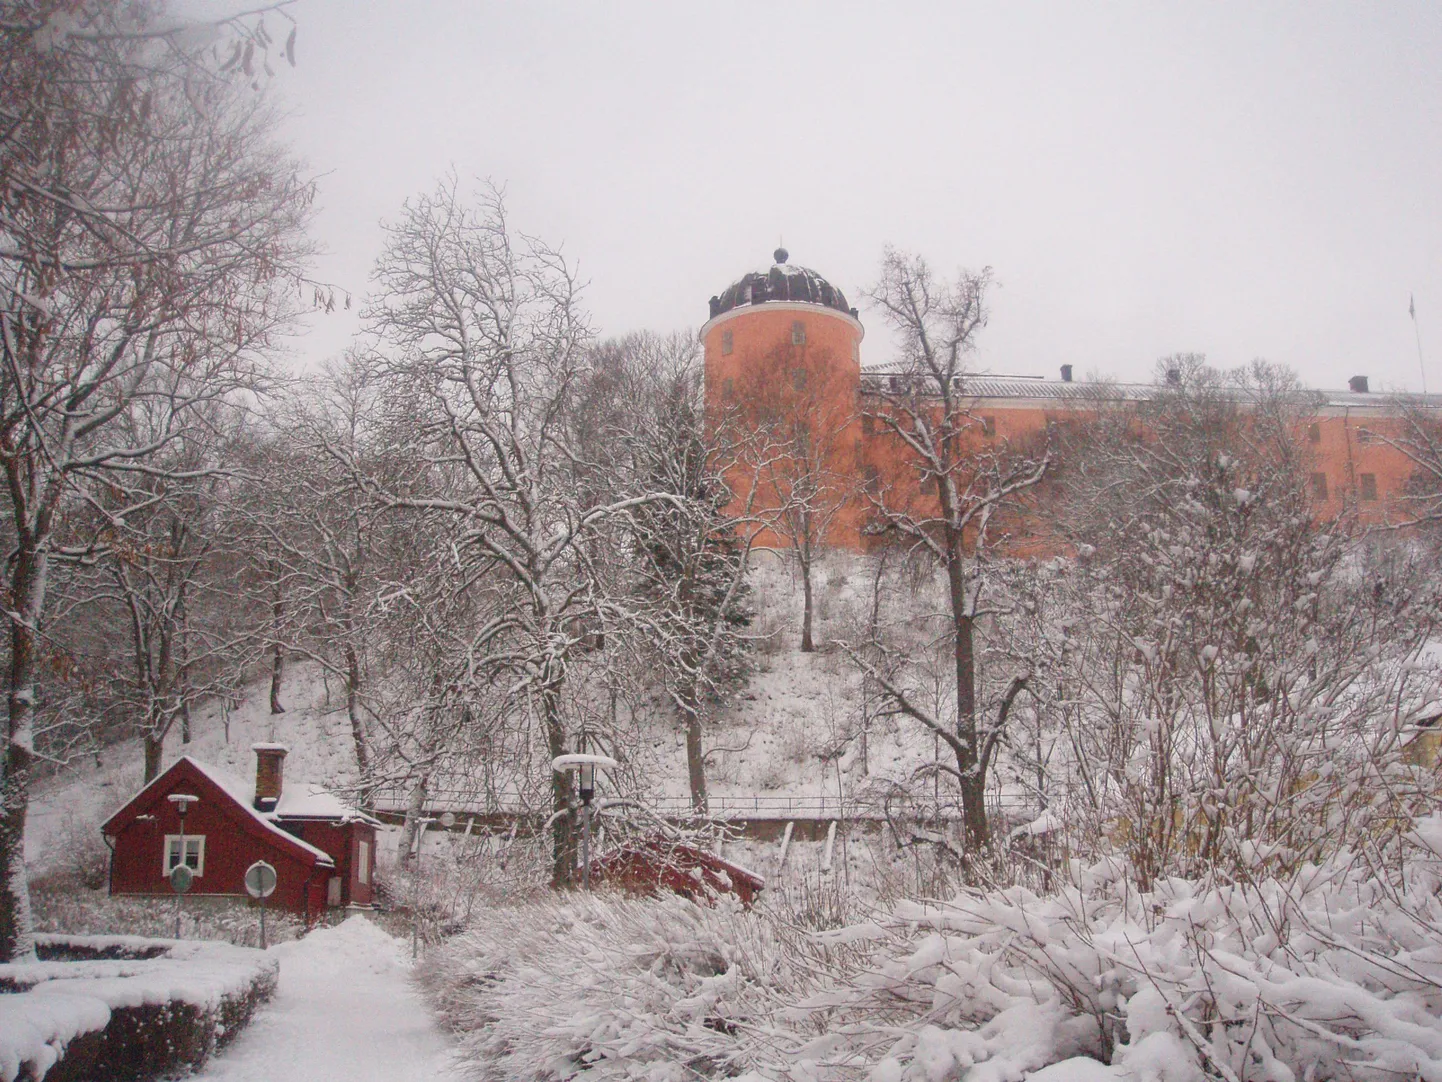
<point x="780" y="255"/>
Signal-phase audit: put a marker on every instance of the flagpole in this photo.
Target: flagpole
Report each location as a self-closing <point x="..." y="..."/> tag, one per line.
<point x="1412" y="311"/>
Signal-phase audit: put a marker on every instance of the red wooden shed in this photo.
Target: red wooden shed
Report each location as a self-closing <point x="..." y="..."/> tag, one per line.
<point x="323" y="851"/>
<point x="645" y="867"/>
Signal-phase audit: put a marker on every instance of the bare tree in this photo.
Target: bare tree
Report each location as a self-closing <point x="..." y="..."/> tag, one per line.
<point x="152" y="241"/>
<point x="952" y="480"/>
<point x="1417" y="434"/>
<point x="153" y="568"/>
<point x="482" y="333"/>
<point x="686" y="591"/>
<point x="799" y="415"/>
<point x="1230" y="691"/>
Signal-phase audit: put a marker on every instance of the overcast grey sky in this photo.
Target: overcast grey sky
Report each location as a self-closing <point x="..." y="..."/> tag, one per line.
<point x="1242" y="180"/>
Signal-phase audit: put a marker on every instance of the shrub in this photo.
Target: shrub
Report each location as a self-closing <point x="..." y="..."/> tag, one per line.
<point x="125" y="1007"/>
<point x="618" y="988"/>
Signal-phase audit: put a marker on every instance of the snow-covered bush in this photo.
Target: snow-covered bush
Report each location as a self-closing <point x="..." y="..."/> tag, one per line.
<point x="1333" y="972"/>
<point x="612" y="988"/>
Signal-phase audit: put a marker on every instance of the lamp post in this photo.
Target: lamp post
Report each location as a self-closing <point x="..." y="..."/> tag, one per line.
<point x="181" y="877"/>
<point x="585" y="766"/>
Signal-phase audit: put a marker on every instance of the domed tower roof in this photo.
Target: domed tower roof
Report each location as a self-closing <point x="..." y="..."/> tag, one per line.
<point x="783" y="282"/>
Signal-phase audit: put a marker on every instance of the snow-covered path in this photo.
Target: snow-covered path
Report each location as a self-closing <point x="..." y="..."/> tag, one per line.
<point x="344" y="1011"/>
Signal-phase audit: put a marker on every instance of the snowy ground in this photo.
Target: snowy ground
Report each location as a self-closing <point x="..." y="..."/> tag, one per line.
<point x="345" y="1011"/>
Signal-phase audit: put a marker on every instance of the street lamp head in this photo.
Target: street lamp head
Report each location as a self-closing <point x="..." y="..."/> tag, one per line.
<point x="585" y="767"/>
<point x="182" y="802"/>
<point x="588" y="782"/>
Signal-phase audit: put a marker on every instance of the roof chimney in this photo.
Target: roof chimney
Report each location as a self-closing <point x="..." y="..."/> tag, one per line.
<point x="1358" y="384"/>
<point x="269" y="774"/>
<point x="1066" y="373"/>
<point x="1174" y="377"/>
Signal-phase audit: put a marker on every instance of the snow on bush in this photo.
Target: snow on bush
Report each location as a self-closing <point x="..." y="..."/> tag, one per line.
<point x="1331" y="972"/>
<point x="185" y="1001"/>
<point x="1334" y="972"/>
<point x="604" y="987"/>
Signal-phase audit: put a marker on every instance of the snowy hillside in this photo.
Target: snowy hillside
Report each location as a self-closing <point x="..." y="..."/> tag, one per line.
<point x="792" y="732"/>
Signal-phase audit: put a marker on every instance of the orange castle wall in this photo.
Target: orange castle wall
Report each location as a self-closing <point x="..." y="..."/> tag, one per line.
<point x="1344" y="442"/>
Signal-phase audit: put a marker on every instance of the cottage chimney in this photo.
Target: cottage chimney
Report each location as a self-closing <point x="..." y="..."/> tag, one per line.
<point x="1358" y="384"/>
<point x="1066" y="373"/>
<point x="269" y="774"/>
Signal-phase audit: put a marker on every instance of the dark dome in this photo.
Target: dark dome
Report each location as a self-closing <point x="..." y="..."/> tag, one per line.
<point x="783" y="282"/>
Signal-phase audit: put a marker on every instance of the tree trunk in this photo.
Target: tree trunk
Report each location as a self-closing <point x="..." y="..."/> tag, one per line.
<point x="352" y="705"/>
<point x="415" y="805"/>
<point x="968" y="763"/>
<point x="28" y="581"/>
<point x="695" y="753"/>
<point x="563" y="833"/>
<point x="807" y="646"/>
<point x="154" y="749"/>
<point x="277" y="669"/>
<point x="184" y="677"/>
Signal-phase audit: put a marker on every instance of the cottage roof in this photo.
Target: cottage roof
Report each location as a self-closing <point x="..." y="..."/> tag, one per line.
<point x="316" y="802"/>
<point x="230" y="787"/>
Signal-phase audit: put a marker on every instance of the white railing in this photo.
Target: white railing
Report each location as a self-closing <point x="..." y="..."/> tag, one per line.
<point x="758" y="806"/>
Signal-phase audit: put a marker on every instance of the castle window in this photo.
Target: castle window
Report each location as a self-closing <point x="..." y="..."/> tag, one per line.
<point x="1368" y="481"/>
<point x="871" y="478"/>
<point x="798" y="379"/>
<point x="1314" y="432"/>
<point x="727" y="343"/>
<point x="798" y="333"/>
<point x="868" y="425"/>
<point x="728" y="387"/>
<point x="895" y="384"/>
<point x="927" y="485"/>
<point x="1319" y="486"/>
<point x="856" y="352"/>
<point x="1364" y="435"/>
<point x="988" y="426"/>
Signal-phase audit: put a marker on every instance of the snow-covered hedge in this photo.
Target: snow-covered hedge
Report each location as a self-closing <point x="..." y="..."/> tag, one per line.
<point x="1332" y="972"/>
<point x="125" y="1006"/>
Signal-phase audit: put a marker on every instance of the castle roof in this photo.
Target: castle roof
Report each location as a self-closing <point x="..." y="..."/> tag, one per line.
<point x="782" y="282"/>
<point x="891" y="376"/>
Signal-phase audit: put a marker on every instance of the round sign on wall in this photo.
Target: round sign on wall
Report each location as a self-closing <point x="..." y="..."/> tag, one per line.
<point x="181" y="878"/>
<point x="260" y="880"/>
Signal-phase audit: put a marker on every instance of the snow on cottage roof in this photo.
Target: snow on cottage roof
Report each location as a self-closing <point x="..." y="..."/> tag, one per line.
<point x="238" y="790"/>
<point x="315" y="802"/>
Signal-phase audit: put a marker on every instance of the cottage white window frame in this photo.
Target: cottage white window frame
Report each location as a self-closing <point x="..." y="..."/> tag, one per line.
<point x="170" y="855"/>
<point x="363" y="864"/>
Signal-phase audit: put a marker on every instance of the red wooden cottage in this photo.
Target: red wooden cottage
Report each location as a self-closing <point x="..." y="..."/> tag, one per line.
<point x="323" y="852"/>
